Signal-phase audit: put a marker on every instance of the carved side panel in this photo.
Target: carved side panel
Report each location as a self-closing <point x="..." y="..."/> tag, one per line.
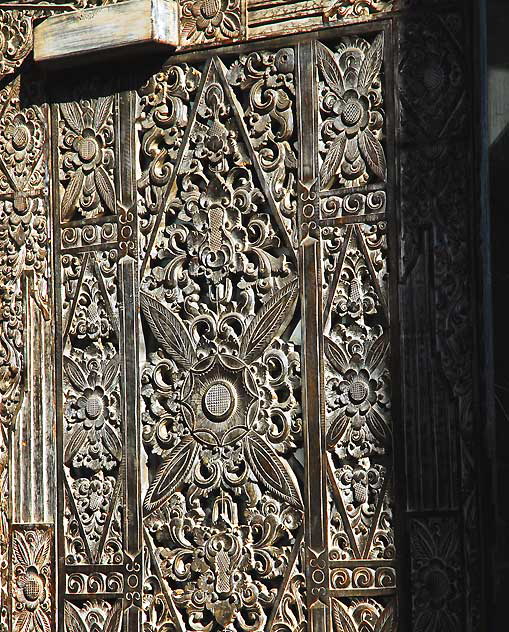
<point x="352" y="214"/>
<point x="25" y="336"/>
<point x="96" y="373"/>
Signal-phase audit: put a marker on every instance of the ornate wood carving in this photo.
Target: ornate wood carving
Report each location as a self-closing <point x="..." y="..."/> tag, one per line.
<point x="32" y="578"/>
<point x="227" y="331"/>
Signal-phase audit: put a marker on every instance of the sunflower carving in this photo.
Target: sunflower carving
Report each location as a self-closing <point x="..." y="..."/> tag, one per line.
<point x="351" y="107"/>
<point x="219" y="401"/>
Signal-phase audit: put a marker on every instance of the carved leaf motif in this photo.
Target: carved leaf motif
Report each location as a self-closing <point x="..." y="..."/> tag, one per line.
<point x="376" y="354"/>
<point x="110" y="372"/>
<point x="377" y="425"/>
<point x="373" y="153"/>
<point x="272" y="317"/>
<point x="330" y="70"/>
<point x="175" y="469"/>
<point x="112" y="442"/>
<point x="272" y="470"/>
<point x="74" y="444"/>
<point x="422" y="543"/>
<point x="42" y="621"/>
<point x="102" y="109"/>
<point x="372" y="63"/>
<point x="386" y="621"/>
<point x="75" y="374"/>
<point x="73" y="621"/>
<point x="42" y="556"/>
<point x="72" y="193"/>
<point x="105" y="188"/>
<point x="335" y="355"/>
<point x="336" y="430"/>
<point x="342" y="620"/>
<point x="73" y="115"/>
<point x="330" y="165"/>
<point x="20" y="552"/>
<point x="112" y="623"/>
<point x="169" y="331"/>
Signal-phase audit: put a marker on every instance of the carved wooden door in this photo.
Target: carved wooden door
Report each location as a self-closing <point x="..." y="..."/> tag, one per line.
<point x="217" y="329"/>
<point x="222" y="365"/>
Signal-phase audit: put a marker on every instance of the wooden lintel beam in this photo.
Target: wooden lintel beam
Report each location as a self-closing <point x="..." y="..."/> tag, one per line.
<point x="116" y="29"/>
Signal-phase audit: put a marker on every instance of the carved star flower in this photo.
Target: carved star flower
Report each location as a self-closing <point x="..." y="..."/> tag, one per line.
<point x="93" y="442"/>
<point x="358" y="394"/>
<point x="220" y="402"/>
<point x="352" y="135"/>
<point x="87" y="160"/>
<point x="31" y="557"/>
<point x="208" y="19"/>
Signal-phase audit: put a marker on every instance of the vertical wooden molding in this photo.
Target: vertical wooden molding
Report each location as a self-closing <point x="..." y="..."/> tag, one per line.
<point x="316" y="511"/>
<point x="129" y="354"/>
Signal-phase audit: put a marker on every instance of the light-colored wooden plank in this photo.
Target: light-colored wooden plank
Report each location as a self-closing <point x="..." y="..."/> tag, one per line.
<point x="302" y="9"/>
<point x="116" y="28"/>
<point x="286" y="27"/>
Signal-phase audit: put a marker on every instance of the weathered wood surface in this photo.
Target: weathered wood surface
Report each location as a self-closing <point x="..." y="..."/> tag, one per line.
<point x="147" y="24"/>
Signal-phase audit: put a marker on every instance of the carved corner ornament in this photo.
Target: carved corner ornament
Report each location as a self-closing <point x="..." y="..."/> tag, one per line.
<point x="16" y="38"/>
<point x="350" y="9"/>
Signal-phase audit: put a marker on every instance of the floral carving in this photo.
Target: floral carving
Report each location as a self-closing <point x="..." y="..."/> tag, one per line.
<point x="361" y="487"/>
<point x="94" y="616"/>
<point x="436" y="571"/>
<point x="221" y="416"/>
<point x="204" y="21"/>
<point x="352" y="115"/>
<point x="357" y="396"/>
<point x="93" y="441"/>
<point x="92" y="317"/>
<point x="23" y="232"/>
<point x="349" y="9"/>
<point x="22" y="138"/>
<point x="93" y="497"/>
<point x="431" y="69"/>
<point x="357" y="391"/>
<point x="165" y="103"/>
<point x="219" y="403"/>
<point x="363" y="615"/>
<point x="87" y="158"/>
<point x="31" y="579"/>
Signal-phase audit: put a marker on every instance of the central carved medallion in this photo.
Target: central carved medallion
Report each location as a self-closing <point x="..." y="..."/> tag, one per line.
<point x="220" y="400"/>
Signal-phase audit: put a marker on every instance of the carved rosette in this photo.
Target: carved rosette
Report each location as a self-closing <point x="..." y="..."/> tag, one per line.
<point x="211" y="21"/>
<point x="32" y="578"/>
<point x="352" y="117"/>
